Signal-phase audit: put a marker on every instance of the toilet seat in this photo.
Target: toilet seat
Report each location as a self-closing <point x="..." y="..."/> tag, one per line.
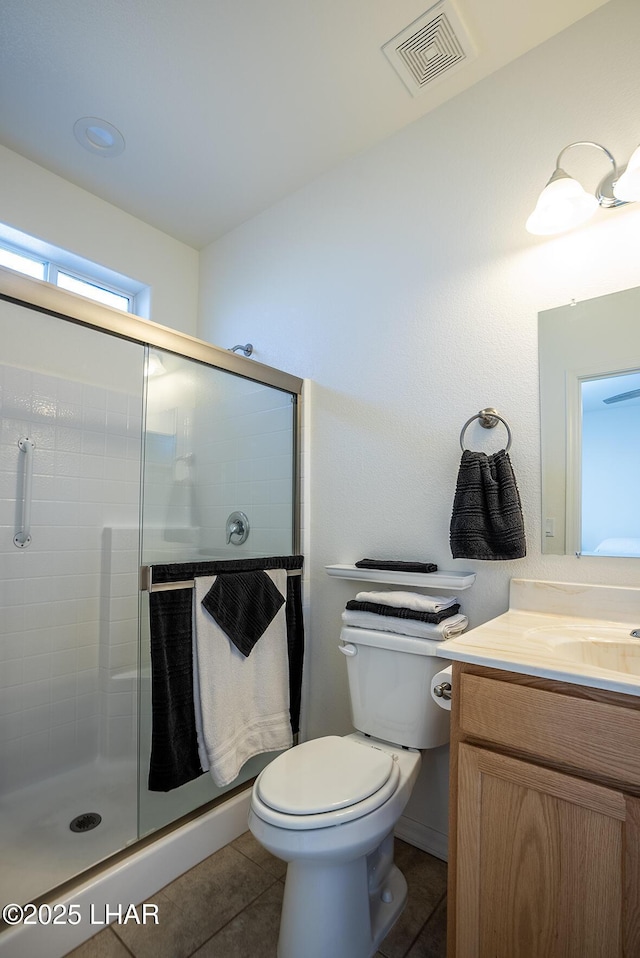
<point x="324" y="782"/>
<point x="323" y="775"/>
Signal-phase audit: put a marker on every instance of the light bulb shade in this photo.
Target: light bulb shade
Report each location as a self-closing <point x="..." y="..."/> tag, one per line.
<point x="627" y="187"/>
<point x="562" y="205"/>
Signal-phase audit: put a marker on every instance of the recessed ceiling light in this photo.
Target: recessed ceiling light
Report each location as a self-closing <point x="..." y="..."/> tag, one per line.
<point x="98" y="136"/>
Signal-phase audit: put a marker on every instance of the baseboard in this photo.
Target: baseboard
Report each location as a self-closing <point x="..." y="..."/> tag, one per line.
<point x="428" y="839"/>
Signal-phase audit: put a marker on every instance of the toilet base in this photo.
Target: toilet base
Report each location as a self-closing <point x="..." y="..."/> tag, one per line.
<point x="329" y="909"/>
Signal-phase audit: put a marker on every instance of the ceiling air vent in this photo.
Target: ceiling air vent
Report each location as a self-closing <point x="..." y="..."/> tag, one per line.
<point x="434" y="45"/>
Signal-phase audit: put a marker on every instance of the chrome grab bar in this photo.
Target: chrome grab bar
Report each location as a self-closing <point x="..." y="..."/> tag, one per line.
<point x="23" y="537"/>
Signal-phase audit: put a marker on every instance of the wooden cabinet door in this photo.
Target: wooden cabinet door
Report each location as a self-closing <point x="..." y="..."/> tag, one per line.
<point x="547" y="864"/>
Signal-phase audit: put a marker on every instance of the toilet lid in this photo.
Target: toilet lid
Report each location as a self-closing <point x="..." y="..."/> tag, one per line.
<point x="323" y="775"/>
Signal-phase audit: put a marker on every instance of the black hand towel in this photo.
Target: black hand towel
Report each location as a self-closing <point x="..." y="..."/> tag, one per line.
<point x="399" y="612"/>
<point x="391" y="565"/>
<point x="243" y="605"/>
<point x="487" y="518"/>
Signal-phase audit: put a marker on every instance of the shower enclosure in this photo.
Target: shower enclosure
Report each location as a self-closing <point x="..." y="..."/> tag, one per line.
<point x="122" y="444"/>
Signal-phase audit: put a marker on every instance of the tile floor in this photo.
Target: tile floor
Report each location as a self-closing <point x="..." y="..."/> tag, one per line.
<point x="228" y="906"/>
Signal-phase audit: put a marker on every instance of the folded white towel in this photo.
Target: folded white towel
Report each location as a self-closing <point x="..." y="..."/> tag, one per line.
<point x="454" y="625"/>
<point x="410" y="600"/>
<point x="243" y="701"/>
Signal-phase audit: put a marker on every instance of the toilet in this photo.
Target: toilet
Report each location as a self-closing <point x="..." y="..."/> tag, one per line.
<point x="328" y="807"/>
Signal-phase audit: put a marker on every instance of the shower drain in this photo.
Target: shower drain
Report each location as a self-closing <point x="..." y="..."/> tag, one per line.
<point x="85" y="822"/>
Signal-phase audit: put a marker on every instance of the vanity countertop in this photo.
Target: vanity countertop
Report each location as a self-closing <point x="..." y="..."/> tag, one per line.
<point x="594" y="648"/>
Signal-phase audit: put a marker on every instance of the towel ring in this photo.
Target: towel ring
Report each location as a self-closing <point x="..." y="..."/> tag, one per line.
<point x="488" y="419"/>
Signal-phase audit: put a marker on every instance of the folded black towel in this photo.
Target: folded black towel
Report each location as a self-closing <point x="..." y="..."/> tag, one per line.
<point x="487" y="522"/>
<point x="243" y="604"/>
<point x="399" y="612"/>
<point x="174" y="744"/>
<point x="391" y="565"/>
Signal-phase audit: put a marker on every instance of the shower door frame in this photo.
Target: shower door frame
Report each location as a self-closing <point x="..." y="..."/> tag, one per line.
<point x="147" y="864"/>
<point x="44" y="297"/>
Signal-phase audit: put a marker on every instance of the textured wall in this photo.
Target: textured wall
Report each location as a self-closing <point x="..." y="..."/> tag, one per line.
<point x="44" y="205"/>
<point x="405" y="286"/>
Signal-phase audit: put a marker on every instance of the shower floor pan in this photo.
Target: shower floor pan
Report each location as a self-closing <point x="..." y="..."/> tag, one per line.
<point x="39" y="851"/>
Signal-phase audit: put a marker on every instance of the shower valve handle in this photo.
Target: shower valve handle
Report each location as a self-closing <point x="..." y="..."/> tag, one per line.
<point x="237" y="526"/>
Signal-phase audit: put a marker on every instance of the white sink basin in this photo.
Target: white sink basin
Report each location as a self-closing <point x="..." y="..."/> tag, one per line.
<point x="569" y="632"/>
<point x="603" y="646"/>
<point x="604" y="654"/>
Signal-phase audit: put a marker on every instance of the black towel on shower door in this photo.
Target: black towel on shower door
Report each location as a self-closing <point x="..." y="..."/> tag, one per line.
<point x="174" y="744"/>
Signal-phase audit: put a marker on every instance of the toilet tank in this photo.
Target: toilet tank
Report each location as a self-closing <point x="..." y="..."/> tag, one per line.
<point x="390" y="687"/>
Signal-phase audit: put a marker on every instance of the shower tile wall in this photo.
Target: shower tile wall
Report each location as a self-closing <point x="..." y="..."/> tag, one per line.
<point x="215" y="444"/>
<point x="69" y="600"/>
<point x="246" y="464"/>
<point x="118" y="659"/>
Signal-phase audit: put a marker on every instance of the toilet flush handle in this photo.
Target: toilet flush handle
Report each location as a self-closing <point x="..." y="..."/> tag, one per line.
<point x="348" y="649"/>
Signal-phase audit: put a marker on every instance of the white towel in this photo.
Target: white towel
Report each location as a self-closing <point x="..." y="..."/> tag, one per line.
<point x="243" y="702"/>
<point x="454" y="625"/>
<point x="410" y="600"/>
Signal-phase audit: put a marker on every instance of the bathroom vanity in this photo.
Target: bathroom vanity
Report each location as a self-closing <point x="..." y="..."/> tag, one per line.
<point x="544" y="857"/>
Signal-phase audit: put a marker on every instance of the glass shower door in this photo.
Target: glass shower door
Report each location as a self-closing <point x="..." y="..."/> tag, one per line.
<point x="70" y="457"/>
<point x="216" y="444"/>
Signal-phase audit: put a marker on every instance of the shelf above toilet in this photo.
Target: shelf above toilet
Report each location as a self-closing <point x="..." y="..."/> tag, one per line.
<point x="456" y="580"/>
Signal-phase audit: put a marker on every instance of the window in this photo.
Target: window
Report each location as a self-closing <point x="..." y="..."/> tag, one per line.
<point x="22" y="264"/>
<point x="105" y="296"/>
<point x="32" y="257"/>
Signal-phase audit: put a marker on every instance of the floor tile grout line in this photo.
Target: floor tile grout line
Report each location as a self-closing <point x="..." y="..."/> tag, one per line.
<point x="125" y="946"/>
<point x="249" y="859"/>
<point x="426" y="922"/>
<point x="204" y="942"/>
<point x="109" y="930"/>
<point x="239" y="912"/>
<point x="233" y="917"/>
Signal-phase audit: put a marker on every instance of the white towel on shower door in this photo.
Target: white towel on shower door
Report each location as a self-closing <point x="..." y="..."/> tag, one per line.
<point x="241" y="703"/>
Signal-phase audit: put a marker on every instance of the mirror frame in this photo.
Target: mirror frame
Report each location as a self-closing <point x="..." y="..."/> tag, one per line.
<point x="582" y="340"/>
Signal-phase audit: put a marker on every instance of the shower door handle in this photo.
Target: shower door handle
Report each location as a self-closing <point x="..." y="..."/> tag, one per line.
<point x="22" y="538"/>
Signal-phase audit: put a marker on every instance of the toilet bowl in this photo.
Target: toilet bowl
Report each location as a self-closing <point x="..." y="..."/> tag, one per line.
<point x="328" y="807"/>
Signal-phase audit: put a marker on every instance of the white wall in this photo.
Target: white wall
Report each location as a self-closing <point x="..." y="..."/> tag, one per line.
<point x="52" y="209"/>
<point x="405" y="286"/>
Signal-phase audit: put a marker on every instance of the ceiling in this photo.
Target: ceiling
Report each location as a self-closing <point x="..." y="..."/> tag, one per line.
<point x="226" y="106"/>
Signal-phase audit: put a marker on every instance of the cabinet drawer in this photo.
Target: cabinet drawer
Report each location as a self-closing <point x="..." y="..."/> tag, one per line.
<point x="575" y="733"/>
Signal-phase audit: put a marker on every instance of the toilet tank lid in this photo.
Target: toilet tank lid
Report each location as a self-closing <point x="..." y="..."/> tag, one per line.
<point x="324" y="775"/>
<point x="389" y="640"/>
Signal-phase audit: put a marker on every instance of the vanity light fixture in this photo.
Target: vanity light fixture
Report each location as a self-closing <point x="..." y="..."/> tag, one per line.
<point x="564" y="203"/>
<point x="627" y="187"/>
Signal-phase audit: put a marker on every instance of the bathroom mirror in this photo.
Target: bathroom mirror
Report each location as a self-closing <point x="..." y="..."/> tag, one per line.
<point x="589" y="356"/>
